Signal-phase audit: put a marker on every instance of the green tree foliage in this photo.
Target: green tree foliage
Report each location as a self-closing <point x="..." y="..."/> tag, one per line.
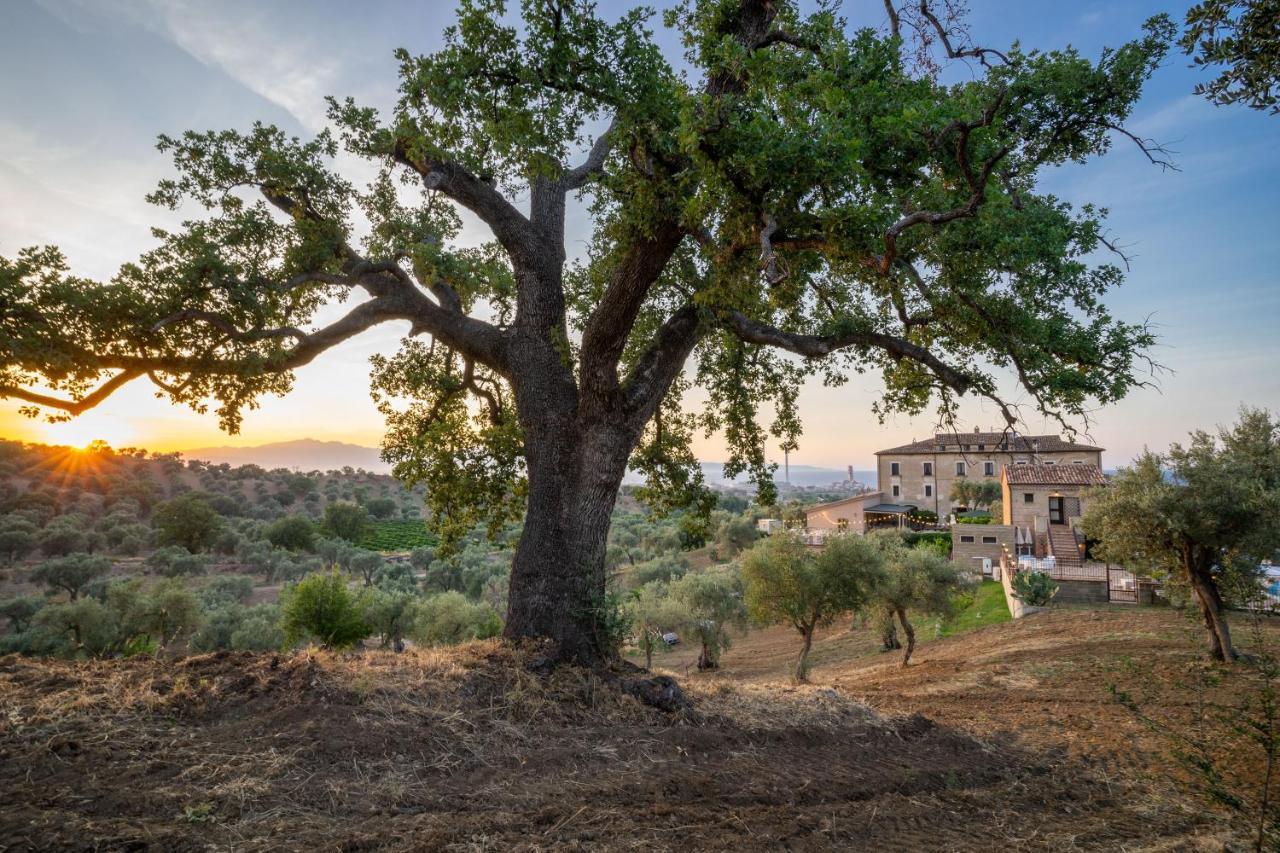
<point x="975" y="494"/>
<point x="70" y="574"/>
<point x="187" y="521"/>
<point x="80" y="627"/>
<point x="735" y="534"/>
<point x="389" y="612"/>
<point x="1199" y="514"/>
<point x="323" y="608"/>
<point x="155" y="616"/>
<point x="1240" y="41"/>
<point x="1034" y="589"/>
<point x="224" y="589"/>
<point x="66" y="534"/>
<point x="713" y="599"/>
<point x="19" y="611"/>
<point x="448" y="618"/>
<point x="346" y="521"/>
<point x="653" y="612"/>
<point x="918" y="580"/>
<point x="785" y="582"/>
<point x="381" y="508"/>
<point x="293" y="532"/>
<point x="18" y="537"/>
<point x="789" y="186"/>
<point x="259" y="630"/>
<point x="174" y="561"/>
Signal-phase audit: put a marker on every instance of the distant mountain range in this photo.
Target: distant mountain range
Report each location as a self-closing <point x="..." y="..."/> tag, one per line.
<point x="304" y="454"/>
<point x="308" y="454"/>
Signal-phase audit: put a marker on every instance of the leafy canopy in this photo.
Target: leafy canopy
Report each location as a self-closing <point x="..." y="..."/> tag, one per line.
<point x="791" y="198"/>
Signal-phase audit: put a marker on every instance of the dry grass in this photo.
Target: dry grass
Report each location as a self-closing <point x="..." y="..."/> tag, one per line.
<point x="482" y="747"/>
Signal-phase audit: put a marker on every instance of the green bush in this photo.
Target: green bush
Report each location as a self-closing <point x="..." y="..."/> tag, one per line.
<point x="323" y="608"/>
<point x="83" y="626"/>
<point x="71" y="573"/>
<point x="940" y="540"/>
<point x="173" y="561"/>
<point x="449" y="617"/>
<point x="975" y="519"/>
<point x="347" y="521"/>
<point x="187" y="521"/>
<point x="259" y="630"/>
<point x="293" y="533"/>
<point x="227" y="589"/>
<point x="220" y="624"/>
<point x="20" y="611"/>
<point x="1035" y="589"/>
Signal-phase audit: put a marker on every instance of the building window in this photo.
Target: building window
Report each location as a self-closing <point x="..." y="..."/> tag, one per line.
<point x="1077" y="461"/>
<point x="988" y="540"/>
<point x="894" y="469"/>
<point x="982" y="447"/>
<point x="1027" y="497"/>
<point x="928" y="490"/>
<point x="942" y="448"/>
<point x="842" y="524"/>
<point x="989" y="469"/>
<point x="928" y="469"/>
<point x="966" y="539"/>
<point x="897" y="490"/>
<point x="1050" y="462"/>
<point x="1021" y="462"/>
<point x="965" y="448"/>
<point x="960" y="469"/>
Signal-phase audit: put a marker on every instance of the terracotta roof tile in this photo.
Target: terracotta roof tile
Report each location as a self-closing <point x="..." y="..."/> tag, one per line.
<point x="1055" y="475"/>
<point x="992" y="441"/>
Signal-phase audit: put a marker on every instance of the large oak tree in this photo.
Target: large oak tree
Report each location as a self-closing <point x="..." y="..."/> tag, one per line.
<point x="793" y="197"/>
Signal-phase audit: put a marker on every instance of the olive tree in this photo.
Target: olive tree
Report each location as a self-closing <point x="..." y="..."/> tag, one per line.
<point x="786" y="582"/>
<point x="1196" y="513"/>
<point x="653" y="612"/>
<point x="713" y="599"/>
<point x="71" y="573"/>
<point x="920" y="580"/>
<point x="792" y="198"/>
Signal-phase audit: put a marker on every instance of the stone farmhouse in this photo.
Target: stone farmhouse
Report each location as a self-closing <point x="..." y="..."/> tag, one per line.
<point x="921" y="473"/>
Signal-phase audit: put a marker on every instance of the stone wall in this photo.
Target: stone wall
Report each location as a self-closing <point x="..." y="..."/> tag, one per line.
<point x="1081" y="592"/>
<point x="969" y="555"/>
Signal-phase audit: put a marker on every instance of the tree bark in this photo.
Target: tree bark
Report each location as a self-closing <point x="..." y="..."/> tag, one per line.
<point x="888" y="633"/>
<point x="1211" y="610"/>
<point x="911" y="635"/>
<point x="802" y="663"/>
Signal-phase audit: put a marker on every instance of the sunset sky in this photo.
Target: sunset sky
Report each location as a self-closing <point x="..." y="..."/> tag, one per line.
<point x="89" y="84"/>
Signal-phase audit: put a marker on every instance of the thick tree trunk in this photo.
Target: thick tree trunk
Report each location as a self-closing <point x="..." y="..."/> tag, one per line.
<point x="558" y="574"/>
<point x="911" y="636"/>
<point x="802" y="663"/>
<point x="1211" y="610"/>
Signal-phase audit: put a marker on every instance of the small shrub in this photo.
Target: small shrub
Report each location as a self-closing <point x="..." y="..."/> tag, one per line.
<point x="1034" y="589"/>
<point x="322" y="607"/>
<point x="448" y="618"/>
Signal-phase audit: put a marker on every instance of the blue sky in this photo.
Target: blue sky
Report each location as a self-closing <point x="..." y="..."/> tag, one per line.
<point x="89" y="84"/>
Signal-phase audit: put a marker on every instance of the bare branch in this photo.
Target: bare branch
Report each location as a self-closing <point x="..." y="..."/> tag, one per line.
<point x="509" y="225"/>
<point x="72" y="407"/>
<point x="815" y="346"/>
<point x="575" y="178"/>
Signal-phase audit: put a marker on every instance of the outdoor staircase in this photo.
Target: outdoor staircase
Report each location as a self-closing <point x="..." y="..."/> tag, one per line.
<point x="1062" y="545"/>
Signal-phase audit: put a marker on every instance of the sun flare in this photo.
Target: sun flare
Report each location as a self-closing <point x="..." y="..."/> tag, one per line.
<point x="83" y="431"/>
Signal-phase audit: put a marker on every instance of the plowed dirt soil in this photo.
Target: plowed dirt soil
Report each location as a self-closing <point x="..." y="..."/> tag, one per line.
<point x="1003" y="738"/>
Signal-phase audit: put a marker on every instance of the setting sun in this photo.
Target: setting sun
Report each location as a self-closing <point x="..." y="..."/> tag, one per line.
<point x="82" y="431"/>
